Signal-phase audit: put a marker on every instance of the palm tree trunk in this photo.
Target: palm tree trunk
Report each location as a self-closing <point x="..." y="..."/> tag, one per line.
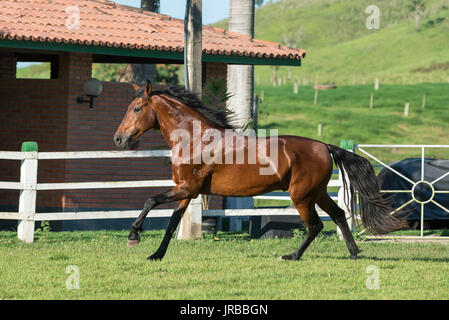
<point x="191" y="223"/>
<point x="240" y="79"/>
<point x="150" y="5"/>
<point x="140" y="73"/>
<point x="240" y="85"/>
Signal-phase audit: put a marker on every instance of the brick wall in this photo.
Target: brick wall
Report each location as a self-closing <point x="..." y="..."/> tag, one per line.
<point x="32" y="110"/>
<point x="214" y="70"/>
<point x="46" y="111"/>
<point x="94" y="130"/>
<point x="8" y="67"/>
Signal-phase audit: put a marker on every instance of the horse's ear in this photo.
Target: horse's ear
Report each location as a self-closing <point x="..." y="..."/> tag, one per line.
<point x="148" y="89"/>
<point x="135" y="86"/>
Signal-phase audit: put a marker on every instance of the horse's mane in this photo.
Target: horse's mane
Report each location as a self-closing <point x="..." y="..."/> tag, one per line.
<point x="220" y="116"/>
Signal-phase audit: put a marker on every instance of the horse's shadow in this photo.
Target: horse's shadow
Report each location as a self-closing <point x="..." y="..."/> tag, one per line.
<point x="375" y="258"/>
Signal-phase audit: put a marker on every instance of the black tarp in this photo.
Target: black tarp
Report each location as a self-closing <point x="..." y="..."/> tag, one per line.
<point x="411" y="168"/>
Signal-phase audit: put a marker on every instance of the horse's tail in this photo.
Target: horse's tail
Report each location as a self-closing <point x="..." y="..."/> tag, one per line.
<point x="374" y="209"/>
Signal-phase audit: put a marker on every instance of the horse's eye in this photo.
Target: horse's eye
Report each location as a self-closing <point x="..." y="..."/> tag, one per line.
<point x="137" y="109"/>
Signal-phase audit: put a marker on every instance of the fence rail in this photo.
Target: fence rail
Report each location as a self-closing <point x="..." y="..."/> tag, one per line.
<point x="29" y="186"/>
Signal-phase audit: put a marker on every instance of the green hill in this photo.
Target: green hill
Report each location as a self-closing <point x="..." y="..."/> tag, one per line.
<point x="36" y="71"/>
<point x="341" y="49"/>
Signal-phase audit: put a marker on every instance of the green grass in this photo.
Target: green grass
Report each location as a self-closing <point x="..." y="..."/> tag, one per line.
<point x="234" y="267"/>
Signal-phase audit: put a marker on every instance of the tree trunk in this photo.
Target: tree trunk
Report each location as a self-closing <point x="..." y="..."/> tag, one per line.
<point x="150" y="5"/>
<point x="140" y="73"/>
<point x="191" y="223"/>
<point x="193" y="47"/>
<point x="240" y="85"/>
<point x="240" y="79"/>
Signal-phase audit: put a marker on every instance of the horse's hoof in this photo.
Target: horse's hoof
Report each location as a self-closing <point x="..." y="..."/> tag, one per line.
<point x="133" y="243"/>
<point x="155" y="256"/>
<point x="354" y="256"/>
<point x="288" y="257"/>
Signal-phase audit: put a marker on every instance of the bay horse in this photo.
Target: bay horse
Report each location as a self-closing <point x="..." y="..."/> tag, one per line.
<point x="303" y="167"/>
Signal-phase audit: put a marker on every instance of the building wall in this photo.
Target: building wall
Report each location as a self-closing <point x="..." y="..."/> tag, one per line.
<point x="46" y="111"/>
<point x="94" y="130"/>
<point x="214" y="70"/>
<point x="32" y="110"/>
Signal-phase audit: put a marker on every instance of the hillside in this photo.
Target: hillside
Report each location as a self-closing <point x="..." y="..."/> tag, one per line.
<point x="344" y="114"/>
<point x="341" y="49"/>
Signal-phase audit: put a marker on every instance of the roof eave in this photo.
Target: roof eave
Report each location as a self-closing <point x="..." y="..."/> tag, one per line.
<point x="128" y="52"/>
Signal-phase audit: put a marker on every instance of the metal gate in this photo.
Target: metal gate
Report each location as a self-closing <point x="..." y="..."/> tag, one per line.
<point x="413" y="184"/>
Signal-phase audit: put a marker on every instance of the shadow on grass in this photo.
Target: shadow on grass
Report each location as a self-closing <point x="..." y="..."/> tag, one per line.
<point x="363" y="257"/>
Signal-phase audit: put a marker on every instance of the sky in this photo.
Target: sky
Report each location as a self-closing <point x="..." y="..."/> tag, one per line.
<point x="213" y="10"/>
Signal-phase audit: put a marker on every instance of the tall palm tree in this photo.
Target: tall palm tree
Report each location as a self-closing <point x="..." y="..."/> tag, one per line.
<point x="240" y="88"/>
<point x="139" y="73"/>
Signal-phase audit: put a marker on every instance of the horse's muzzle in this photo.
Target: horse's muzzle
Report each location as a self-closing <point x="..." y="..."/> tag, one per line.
<point x="120" y="141"/>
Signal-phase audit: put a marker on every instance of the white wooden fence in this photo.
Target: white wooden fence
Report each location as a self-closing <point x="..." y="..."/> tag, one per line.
<point x="29" y="187"/>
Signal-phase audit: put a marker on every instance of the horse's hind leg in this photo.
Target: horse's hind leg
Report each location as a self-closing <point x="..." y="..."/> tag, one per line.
<point x="314" y="226"/>
<point x="338" y="216"/>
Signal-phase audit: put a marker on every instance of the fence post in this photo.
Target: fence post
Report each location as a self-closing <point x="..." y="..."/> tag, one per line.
<point x="190" y="226"/>
<point x="27" y="200"/>
<point x="348" y="145"/>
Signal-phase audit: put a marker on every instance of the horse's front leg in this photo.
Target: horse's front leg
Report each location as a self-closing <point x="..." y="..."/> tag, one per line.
<point x="172" y="225"/>
<point x="134" y="237"/>
<point x="173" y="195"/>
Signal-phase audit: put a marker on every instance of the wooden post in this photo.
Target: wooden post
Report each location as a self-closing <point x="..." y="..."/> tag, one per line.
<point x="274" y="77"/>
<point x="407" y="105"/>
<point x="315" y="98"/>
<point x="320" y="128"/>
<point x="376" y="84"/>
<point x="371" y="100"/>
<point x="295" y="87"/>
<point x="190" y="226"/>
<point x="27" y="199"/>
<point x="255" y="110"/>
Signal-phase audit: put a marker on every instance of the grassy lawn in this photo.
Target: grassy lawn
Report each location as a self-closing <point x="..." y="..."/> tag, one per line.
<point x="232" y="267"/>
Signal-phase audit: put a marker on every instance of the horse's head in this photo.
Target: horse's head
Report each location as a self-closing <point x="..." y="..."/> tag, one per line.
<point x="139" y="117"/>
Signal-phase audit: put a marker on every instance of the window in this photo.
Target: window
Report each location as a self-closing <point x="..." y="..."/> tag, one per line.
<point x="31" y="66"/>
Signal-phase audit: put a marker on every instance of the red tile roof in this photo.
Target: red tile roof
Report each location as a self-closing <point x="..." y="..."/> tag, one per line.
<point x="106" y="24"/>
